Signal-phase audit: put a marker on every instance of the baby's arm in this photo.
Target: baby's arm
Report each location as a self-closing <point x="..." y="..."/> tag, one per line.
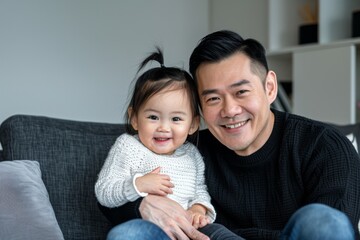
<point x="154" y="183"/>
<point x="198" y="215"/>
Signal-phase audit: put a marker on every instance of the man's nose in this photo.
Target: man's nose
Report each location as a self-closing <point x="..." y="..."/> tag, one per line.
<point x="230" y="108"/>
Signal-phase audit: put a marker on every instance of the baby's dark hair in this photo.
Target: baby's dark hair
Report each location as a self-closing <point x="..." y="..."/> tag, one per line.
<point x="155" y="80"/>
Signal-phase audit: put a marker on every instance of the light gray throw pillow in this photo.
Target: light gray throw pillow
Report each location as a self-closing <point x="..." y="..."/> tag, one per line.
<point x="25" y="208"/>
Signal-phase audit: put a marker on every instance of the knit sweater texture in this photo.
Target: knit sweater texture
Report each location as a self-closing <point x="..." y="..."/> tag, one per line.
<point x="129" y="158"/>
<point x="302" y="162"/>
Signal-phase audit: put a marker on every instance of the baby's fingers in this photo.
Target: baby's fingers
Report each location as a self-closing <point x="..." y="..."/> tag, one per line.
<point x="167" y="189"/>
<point x="203" y="222"/>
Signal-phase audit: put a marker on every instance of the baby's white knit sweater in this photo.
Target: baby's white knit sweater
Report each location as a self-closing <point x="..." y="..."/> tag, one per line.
<point x="129" y="157"/>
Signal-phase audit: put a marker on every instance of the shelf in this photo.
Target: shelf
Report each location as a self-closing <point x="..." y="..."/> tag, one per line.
<point x="287" y="51"/>
<point x="334" y="23"/>
<point x="323" y="74"/>
<point x="281" y="61"/>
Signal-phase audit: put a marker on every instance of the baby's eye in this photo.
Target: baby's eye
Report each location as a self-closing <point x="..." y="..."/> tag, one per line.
<point x="153" y="117"/>
<point x="176" y="119"/>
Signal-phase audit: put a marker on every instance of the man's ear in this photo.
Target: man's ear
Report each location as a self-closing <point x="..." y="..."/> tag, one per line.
<point x="271" y="87"/>
<point x="194" y="125"/>
<point x="133" y="118"/>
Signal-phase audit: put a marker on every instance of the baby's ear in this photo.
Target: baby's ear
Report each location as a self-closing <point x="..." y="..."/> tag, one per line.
<point x="133" y="118"/>
<point x="194" y="125"/>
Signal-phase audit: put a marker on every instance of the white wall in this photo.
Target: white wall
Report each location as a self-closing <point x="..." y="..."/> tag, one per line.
<point x="75" y="59"/>
<point x="246" y="17"/>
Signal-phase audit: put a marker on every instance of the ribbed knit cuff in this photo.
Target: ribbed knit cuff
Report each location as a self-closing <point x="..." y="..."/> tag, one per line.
<point x="141" y="194"/>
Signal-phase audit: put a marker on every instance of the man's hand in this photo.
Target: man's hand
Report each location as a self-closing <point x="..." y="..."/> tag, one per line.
<point x="171" y="217"/>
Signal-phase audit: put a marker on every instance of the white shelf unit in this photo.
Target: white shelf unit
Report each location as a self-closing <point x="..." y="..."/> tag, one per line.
<point x="325" y="75"/>
<point x="334" y="20"/>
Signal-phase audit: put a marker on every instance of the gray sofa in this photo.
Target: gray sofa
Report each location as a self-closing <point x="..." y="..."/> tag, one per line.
<point x="70" y="155"/>
<point x="59" y="161"/>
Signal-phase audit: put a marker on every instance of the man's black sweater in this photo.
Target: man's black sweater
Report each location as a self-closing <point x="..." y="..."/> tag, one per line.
<point x="303" y="162"/>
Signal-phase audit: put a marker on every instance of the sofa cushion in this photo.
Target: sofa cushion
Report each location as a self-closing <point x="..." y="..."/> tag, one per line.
<point x="25" y="209"/>
<point x="71" y="154"/>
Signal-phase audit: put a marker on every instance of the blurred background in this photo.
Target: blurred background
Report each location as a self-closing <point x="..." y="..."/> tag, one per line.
<point x="76" y="59"/>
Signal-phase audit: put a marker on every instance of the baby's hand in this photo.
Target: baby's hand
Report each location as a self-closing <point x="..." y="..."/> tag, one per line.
<point x="198" y="216"/>
<point x="199" y="220"/>
<point x="154" y="183"/>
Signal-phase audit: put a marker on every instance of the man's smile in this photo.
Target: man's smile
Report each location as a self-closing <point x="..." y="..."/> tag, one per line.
<point x="235" y="125"/>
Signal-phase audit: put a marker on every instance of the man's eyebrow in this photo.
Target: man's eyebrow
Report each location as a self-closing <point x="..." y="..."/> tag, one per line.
<point x="208" y="91"/>
<point x="239" y="83"/>
<point x="234" y="85"/>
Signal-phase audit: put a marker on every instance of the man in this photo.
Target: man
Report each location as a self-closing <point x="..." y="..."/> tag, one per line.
<point x="270" y="174"/>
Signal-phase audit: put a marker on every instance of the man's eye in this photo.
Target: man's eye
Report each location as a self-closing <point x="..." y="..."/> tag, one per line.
<point x="212" y="99"/>
<point x="241" y="92"/>
<point x="153" y="117"/>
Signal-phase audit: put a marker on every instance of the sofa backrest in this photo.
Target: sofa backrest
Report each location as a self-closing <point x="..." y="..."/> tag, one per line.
<point x="71" y="154"/>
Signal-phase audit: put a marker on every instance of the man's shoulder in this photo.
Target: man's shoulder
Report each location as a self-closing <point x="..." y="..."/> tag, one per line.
<point x="301" y="123"/>
<point x="310" y="131"/>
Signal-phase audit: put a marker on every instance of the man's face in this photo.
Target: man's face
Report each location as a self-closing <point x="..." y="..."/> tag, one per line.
<point x="236" y="103"/>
